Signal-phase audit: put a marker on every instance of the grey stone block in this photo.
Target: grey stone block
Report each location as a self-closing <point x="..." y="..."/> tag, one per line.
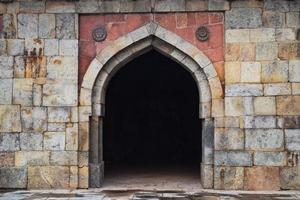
<point x="276" y="5"/>
<point x="9" y="142"/>
<point x="47" y="26"/>
<point x="65" y="26"/>
<point x="214" y="5"/>
<point x="34" y="119"/>
<point x="294" y="5"/>
<point x="244" y="90"/>
<point x="243" y="18"/>
<point x="9" y="26"/>
<point x="96" y="174"/>
<point x="6" y="66"/>
<point x="259" y="122"/>
<point x="264" y="139"/>
<point x="31" y="141"/>
<point x="208" y="141"/>
<point x="169" y="5"/>
<point x="270" y="158"/>
<point x="292" y="139"/>
<point x="13" y="177"/>
<point x="28" y="25"/>
<point x="233" y="158"/>
<point x="273" y="19"/>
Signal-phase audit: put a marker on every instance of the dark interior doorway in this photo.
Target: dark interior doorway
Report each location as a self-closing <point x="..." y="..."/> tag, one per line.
<point x="152" y="115"/>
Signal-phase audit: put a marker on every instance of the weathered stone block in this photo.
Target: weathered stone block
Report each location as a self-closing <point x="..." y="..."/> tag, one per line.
<point x="232" y="122"/>
<point x="6" y="66"/>
<point x="266" y="51"/>
<point x="275" y="71"/>
<point x="34" y="119"/>
<point x="60" y="6"/>
<point x="83" y="181"/>
<point x="277" y="89"/>
<point x="250" y="72"/>
<point x="264" y="106"/>
<point x="264" y="139"/>
<point x="196" y="5"/>
<point x="233" y="158"/>
<point x="34" y="47"/>
<point x="54" y="140"/>
<point x="62" y="93"/>
<point x="232" y="52"/>
<point x="24" y="158"/>
<point x="58" y="114"/>
<point x="289" y="122"/>
<point x="83" y="138"/>
<point x="31" y="141"/>
<point x="68" y="47"/>
<point x="7" y="159"/>
<point x="3" y="47"/>
<point x="294" y="71"/>
<point x="51" y="47"/>
<point x="74" y="177"/>
<point x="22" y="91"/>
<point x="273" y="19"/>
<point x="27" y="25"/>
<point x="62" y="68"/>
<point x="262" y="35"/>
<point x="294" y="5"/>
<point x="243" y="18"/>
<point x="32" y="6"/>
<point x="229" y="139"/>
<point x="9" y="142"/>
<point x="234" y="106"/>
<point x="292" y="19"/>
<point x="56" y="126"/>
<point x="266" y="178"/>
<point x="295" y="88"/>
<point x="9" y="26"/>
<point x="229" y="178"/>
<point x="277" y="5"/>
<point x="290" y="178"/>
<point x="244" y="90"/>
<point x="48" y="177"/>
<point x="19" y="67"/>
<point x="207" y="174"/>
<point x="285" y="34"/>
<point x="83" y="158"/>
<point x="72" y="137"/>
<point x="247" y="52"/>
<point x="292" y="139"/>
<point x="5" y="91"/>
<point x="13" y="177"/>
<point x="237" y="35"/>
<point x="232" y="72"/>
<point x="217" y="107"/>
<point x="270" y="158"/>
<point x="65" y="26"/>
<point x="47" y="26"/>
<point x="10" y="118"/>
<point x="63" y="158"/>
<point x="169" y="5"/>
<point x="15" y="47"/>
<point x="259" y="122"/>
<point x="288" y="105"/>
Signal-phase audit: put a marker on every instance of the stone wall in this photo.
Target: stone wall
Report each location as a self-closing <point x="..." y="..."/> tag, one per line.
<point x="257" y="123"/>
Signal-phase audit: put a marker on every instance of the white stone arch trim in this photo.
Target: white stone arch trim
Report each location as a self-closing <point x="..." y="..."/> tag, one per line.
<point x="137" y="42"/>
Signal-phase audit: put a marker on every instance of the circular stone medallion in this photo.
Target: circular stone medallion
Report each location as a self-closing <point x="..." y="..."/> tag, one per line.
<point x="99" y="34"/>
<point x="202" y="33"/>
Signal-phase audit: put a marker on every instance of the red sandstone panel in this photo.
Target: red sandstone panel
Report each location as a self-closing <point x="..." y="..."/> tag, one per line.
<point x="183" y="24"/>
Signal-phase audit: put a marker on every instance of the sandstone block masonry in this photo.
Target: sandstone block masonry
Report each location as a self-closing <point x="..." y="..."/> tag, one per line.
<point x="254" y="121"/>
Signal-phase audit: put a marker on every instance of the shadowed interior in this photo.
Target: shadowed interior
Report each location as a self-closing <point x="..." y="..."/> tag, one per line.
<point x="152" y="115"/>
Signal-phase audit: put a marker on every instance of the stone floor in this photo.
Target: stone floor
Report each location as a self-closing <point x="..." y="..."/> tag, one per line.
<point x="97" y="194"/>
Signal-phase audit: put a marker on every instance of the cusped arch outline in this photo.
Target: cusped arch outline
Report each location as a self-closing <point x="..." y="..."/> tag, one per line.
<point x="127" y="47"/>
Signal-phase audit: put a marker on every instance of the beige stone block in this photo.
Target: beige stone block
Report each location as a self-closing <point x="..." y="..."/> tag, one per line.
<point x="232" y="122"/>
<point x="247" y="52"/>
<point x="62" y="68"/>
<point x="264" y="106"/>
<point x="83" y="138"/>
<point x="232" y="72"/>
<point x="22" y="91"/>
<point x="59" y="114"/>
<point x="288" y="105"/>
<point x="234" y="106"/>
<point x="48" y="177"/>
<point x="295" y="88"/>
<point x="262" y="35"/>
<point x="72" y="137"/>
<point x="10" y="118"/>
<point x="274" y="71"/>
<point x="23" y="158"/>
<point x="237" y="35"/>
<point x="215" y="88"/>
<point x="229" y="139"/>
<point x="74" y="177"/>
<point x="266" y="51"/>
<point x="266" y="178"/>
<point x="83" y="181"/>
<point x="217" y="108"/>
<point x="83" y="158"/>
<point x="250" y="72"/>
<point x="63" y="158"/>
<point x="277" y="89"/>
<point x="285" y="34"/>
<point x="229" y="178"/>
<point x="232" y="52"/>
<point x="54" y="140"/>
<point x="84" y="113"/>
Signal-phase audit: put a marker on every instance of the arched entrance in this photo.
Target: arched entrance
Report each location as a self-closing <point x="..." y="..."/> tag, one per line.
<point x="123" y="50"/>
<point x="151" y="123"/>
